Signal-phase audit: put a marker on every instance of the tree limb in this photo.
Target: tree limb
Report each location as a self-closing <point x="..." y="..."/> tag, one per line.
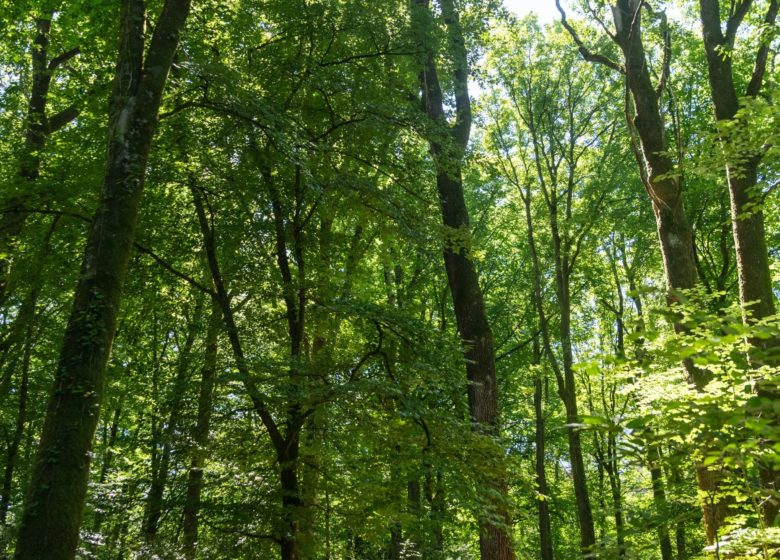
<point x="586" y="53"/>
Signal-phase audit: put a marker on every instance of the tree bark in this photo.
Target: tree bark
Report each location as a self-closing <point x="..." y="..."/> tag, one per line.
<point x="543" y="500"/>
<point x="200" y="436"/>
<point x="52" y="515"/>
<point x="747" y="216"/>
<point x="470" y="313"/>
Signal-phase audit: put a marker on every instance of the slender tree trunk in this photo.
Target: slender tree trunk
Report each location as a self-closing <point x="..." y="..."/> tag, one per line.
<point x="286" y="445"/>
<point x="659" y="498"/>
<point x="747" y="216"/>
<point x="616" y="489"/>
<point x="23" y="323"/>
<point x="434" y="495"/>
<point x="39" y="126"/>
<point x="653" y="452"/>
<point x="564" y="375"/>
<point x="52" y="514"/>
<point x="568" y="393"/>
<point x="543" y="501"/>
<point x="108" y="456"/>
<point x="200" y="436"/>
<point x="21" y="420"/>
<point x="679" y="529"/>
<point x="470" y="313"/>
<point x="154" y="498"/>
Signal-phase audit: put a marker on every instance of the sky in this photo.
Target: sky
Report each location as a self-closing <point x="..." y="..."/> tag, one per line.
<point x="545" y="9"/>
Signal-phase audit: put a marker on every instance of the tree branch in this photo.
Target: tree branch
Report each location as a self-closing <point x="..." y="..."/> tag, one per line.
<point x="735" y="20"/>
<point x="55" y="62"/>
<point x="759" y="69"/>
<point x="61" y="119"/>
<point x="586" y="53"/>
<point x="141" y="248"/>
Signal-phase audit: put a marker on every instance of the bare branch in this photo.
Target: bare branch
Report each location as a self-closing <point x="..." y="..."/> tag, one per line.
<point x="735" y="20"/>
<point x="586" y="53"/>
<point x="61" y="119"/>
<point x="759" y="69"/>
<point x="57" y="61"/>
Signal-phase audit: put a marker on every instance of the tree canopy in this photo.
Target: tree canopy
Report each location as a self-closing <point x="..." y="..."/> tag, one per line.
<point x="384" y="280"/>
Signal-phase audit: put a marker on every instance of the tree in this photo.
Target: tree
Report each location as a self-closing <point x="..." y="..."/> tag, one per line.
<point x="447" y="145"/>
<point x="52" y="516"/>
<point x="747" y="216"/>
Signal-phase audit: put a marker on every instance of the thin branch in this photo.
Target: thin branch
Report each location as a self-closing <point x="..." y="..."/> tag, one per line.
<point x="141" y="248"/>
<point x="363" y="56"/>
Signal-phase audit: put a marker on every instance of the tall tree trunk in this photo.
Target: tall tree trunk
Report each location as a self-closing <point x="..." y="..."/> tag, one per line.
<point x="200" y="436"/>
<point x="286" y="445"/>
<point x="663" y="184"/>
<point x="38" y="127"/>
<point x="543" y="501"/>
<point x="747" y="216"/>
<point x="55" y="501"/>
<point x="616" y="489"/>
<point x="653" y="451"/>
<point x="495" y="542"/>
<point x="568" y="392"/>
<point x="564" y="375"/>
<point x="21" y="420"/>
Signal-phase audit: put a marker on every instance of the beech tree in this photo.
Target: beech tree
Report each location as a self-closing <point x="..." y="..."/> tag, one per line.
<point x="50" y="524"/>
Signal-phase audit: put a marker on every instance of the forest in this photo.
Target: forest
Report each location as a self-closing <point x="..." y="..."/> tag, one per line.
<point x="389" y="279"/>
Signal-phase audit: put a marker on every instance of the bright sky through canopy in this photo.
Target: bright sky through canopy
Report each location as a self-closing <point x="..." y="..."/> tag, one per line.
<point x="544" y="9"/>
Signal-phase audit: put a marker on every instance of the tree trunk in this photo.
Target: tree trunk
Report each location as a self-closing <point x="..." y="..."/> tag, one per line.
<point x="286" y="445"/>
<point x="154" y="497"/>
<point x="494" y="540"/>
<point x="291" y="501"/>
<point x="52" y="515"/>
<point x="108" y="455"/>
<point x="747" y="216"/>
<point x="568" y="392"/>
<point x="663" y="184"/>
<point x="616" y="489"/>
<point x="38" y="128"/>
<point x="659" y="499"/>
<point x="543" y="501"/>
<point x="200" y="436"/>
<point x="21" y="420"/>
